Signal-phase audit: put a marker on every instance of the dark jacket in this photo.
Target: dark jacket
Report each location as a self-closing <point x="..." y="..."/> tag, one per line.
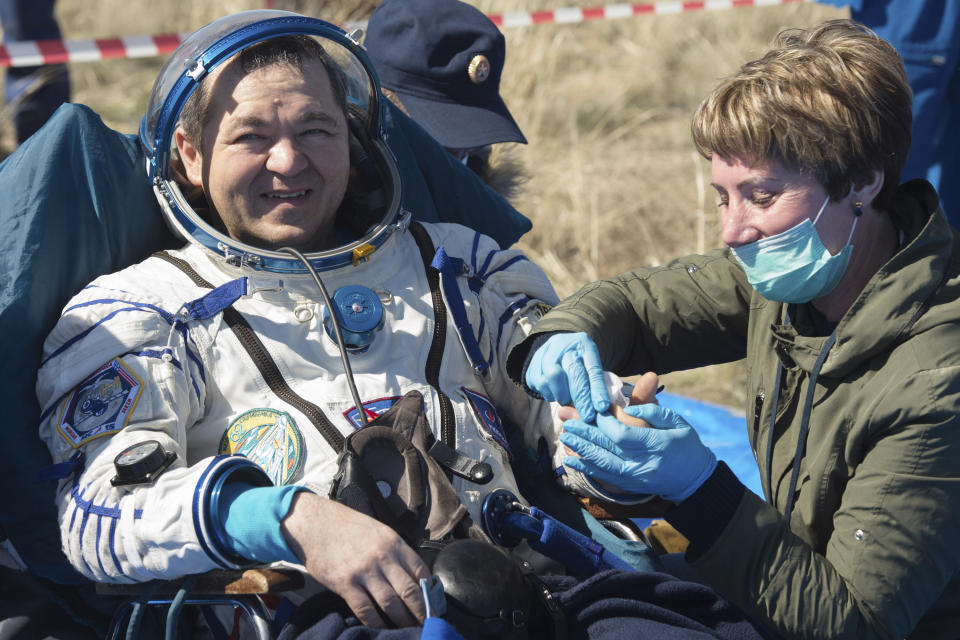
<point x="870" y="543"/>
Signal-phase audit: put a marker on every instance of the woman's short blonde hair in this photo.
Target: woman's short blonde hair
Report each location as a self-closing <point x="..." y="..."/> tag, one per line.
<point x="832" y="101"/>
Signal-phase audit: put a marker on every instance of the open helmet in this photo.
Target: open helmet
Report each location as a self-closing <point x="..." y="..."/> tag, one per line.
<point x="375" y="185"/>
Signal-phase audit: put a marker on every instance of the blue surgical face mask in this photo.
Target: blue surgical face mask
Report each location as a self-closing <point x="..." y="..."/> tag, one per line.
<point x="794" y="266"/>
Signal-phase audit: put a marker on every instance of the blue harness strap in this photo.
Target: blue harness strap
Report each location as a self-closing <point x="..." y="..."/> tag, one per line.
<point x="439" y="629"/>
<point x="580" y="554"/>
<point x="449" y="269"/>
<point x="217" y="300"/>
<point x="61" y="470"/>
<point x="507" y="522"/>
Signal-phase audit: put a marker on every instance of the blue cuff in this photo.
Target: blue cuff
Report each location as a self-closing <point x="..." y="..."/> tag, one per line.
<point x="251" y="518"/>
<point x="703" y="516"/>
<point x="222" y="471"/>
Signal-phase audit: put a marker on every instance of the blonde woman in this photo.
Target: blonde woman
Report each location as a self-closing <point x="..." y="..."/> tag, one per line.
<point x="840" y="287"/>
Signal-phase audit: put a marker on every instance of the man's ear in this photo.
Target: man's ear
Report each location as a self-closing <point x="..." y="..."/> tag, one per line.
<point x="190" y="157"/>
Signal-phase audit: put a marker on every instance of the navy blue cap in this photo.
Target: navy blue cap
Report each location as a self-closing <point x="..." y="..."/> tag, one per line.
<point x="443" y="59"/>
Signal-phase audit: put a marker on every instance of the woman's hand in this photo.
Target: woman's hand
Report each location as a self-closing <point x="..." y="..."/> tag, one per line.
<point x="640" y="449"/>
<point x="644" y="391"/>
<point x="362" y="560"/>
<point x="567" y="369"/>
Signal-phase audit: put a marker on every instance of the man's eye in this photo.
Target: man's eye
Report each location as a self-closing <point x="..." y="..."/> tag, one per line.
<point x="761" y="198"/>
<point x="317" y="131"/>
<point x="247" y="137"/>
<point x="722" y="202"/>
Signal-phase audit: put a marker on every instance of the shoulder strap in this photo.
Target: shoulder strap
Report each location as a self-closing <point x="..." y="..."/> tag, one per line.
<point x="443" y="450"/>
<point x="264" y="361"/>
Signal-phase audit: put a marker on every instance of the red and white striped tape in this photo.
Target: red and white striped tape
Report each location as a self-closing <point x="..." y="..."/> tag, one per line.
<point x="39" y="52"/>
<point x="616" y="11"/>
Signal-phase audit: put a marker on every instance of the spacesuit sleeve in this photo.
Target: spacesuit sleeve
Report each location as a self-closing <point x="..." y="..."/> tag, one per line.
<point x="119" y="370"/>
<point x="514" y="293"/>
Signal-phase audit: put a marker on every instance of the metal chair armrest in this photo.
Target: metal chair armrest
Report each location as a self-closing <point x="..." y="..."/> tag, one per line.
<point x="241" y="589"/>
<point x="258" y="580"/>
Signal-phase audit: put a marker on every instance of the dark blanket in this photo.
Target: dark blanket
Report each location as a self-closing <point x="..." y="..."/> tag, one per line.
<point x="608" y="606"/>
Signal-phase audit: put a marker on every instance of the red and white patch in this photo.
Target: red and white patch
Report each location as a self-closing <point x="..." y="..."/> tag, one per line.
<point x="489" y="418"/>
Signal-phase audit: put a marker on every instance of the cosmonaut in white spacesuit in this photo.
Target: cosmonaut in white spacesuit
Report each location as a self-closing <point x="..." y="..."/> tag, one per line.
<point x="259" y="140"/>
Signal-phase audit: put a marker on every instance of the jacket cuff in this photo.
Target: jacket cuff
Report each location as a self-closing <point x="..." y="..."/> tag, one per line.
<point x="703" y="516"/>
<point x="519" y="359"/>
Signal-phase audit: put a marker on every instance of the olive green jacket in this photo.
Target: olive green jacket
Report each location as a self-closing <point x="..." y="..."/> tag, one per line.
<point x="872" y="549"/>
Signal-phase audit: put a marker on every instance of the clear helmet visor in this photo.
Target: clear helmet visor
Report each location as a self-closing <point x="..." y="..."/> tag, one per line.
<point x="374" y="190"/>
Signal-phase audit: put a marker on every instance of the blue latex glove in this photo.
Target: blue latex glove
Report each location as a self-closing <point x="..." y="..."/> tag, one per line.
<point x="667" y="460"/>
<point x="567" y="369"/>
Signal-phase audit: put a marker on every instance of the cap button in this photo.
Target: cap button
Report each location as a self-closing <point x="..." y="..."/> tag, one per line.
<point x="479" y="69"/>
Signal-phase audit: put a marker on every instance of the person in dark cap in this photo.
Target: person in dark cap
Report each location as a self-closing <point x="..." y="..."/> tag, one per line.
<point x="33" y="92"/>
<point x="441" y="62"/>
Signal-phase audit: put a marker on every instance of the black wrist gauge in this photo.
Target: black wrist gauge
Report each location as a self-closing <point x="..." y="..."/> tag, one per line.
<point x="141" y="463"/>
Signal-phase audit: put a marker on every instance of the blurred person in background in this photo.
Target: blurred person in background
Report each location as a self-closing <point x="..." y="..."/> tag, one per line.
<point x="441" y="62"/>
<point x="33" y="93"/>
<point x="926" y="33"/>
<point x="841" y="288"/>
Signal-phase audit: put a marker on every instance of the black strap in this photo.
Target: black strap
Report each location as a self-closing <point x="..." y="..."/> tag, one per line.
<point x="264" y="361"/>
<point x="771" y="499"/>
<point x="548" y="603"/>
<point x="448" y="432"/>
<point x="463" y="466"/>
<point x="805" y="424"/>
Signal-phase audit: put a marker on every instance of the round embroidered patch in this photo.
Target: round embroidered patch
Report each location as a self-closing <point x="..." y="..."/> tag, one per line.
<point x="269" y="438"/>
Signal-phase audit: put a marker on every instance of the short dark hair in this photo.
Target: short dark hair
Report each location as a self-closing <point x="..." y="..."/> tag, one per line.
<point x="286" y="50"/>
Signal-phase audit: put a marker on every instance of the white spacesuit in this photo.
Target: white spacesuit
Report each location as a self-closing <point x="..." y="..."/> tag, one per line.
<point x="192" y="386"/>
<point x="156" y="374"/>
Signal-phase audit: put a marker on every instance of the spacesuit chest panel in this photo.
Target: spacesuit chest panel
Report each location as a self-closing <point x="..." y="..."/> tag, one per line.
<point x="244" y="415"/>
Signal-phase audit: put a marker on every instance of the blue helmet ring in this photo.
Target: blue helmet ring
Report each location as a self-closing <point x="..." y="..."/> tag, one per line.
<point x="194" y="60"/>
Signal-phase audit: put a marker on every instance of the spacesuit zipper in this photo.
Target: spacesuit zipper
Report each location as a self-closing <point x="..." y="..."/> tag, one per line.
<point x="435" y="357"/>
<point x="264" y="361"/>
<point x="275" y="380"/>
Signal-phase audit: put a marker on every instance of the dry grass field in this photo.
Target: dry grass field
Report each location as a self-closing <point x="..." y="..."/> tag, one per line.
<point x="614" y="181"/>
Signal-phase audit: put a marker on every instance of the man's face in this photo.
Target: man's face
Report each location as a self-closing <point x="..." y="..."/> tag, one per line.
<point x="274" y="157"/>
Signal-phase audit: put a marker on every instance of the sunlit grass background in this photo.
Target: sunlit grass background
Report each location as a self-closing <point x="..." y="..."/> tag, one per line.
<point x="614" y="182"/>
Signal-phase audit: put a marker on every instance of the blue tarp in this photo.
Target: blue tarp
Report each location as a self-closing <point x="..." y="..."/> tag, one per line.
<point x="76" y="203"/>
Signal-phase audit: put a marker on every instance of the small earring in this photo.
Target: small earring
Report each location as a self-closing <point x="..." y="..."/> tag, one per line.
<point x="858" y="208"/>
